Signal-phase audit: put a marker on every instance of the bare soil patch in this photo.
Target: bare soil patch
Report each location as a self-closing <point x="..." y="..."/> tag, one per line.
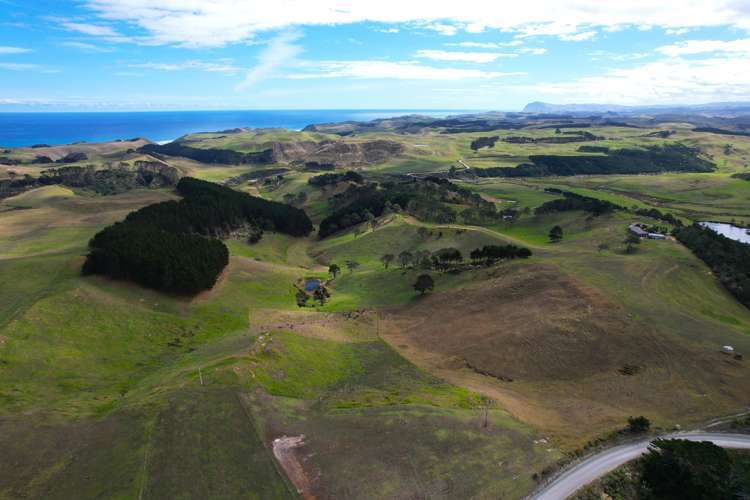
<point x="354" y="326"/>
<point x="285" y="450"/>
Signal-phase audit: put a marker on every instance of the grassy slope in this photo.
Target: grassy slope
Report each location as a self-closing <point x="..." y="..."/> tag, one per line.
<point x="105" y="354"/>
<point x="93" y="353"/>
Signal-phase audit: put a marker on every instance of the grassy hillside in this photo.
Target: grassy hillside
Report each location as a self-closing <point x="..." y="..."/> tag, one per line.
<point x="111" y="390"/>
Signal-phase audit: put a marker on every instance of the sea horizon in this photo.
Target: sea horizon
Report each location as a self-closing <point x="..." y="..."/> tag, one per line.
<point x="28" y="128"/>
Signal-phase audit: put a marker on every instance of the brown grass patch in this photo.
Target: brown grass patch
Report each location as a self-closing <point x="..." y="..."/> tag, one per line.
<point x="563" y="344"/>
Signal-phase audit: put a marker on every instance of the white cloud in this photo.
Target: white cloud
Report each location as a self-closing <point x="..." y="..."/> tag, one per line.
<point x="705" y="46"/>
<point x="475" y="27"/>
<point x="578" y="37"/>
<point x="280" y="51"/>
<point x="96" y="30"/>
<point x="598" y="55"/>
<point x="18" y="66"/>
<point x="387" y="70"/>
<point x="676" y="31"/>
<point x="89" y="29"/>
<point x="222" y="66"/>
<point x="534" y="51"/>
<point x="443" y="29"/>
<point x="86" y="47"/>
<point x="13" y="50"/>
<point x="486" y="45"/>
<point x="474" y="57"/>
<point x="220" y="22"/>
<point x="666" y="81"/>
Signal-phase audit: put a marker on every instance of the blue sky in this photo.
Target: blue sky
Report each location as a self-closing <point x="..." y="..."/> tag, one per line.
<point x="303" y="54"/>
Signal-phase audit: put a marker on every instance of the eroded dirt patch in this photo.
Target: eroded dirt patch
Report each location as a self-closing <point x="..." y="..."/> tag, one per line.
<point x="286" y="451"/>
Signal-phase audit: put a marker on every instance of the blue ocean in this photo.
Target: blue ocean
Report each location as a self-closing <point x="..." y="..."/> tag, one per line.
<point x="26" y="129"/>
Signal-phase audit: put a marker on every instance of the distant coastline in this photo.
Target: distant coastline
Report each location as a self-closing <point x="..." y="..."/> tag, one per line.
<point x="19" y="129"/>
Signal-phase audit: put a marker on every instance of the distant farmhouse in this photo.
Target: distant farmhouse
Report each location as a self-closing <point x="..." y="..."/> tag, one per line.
<point x="640" y="231"/>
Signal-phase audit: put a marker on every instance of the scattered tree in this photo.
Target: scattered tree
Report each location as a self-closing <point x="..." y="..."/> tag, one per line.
<point x="321" y="294"/>
<point x="333" y="270"/>
<point x="302" y="298"/>
<point x="387" y="259"/>
<point x="637" y="425"/>
<point x="424" y="283"/>
<point x="352" y="265"/>
<point x="555" y="234"/>
<point x="405" y="258"/>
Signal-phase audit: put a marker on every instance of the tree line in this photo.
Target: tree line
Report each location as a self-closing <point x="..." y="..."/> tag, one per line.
<point x="728" y="259"/>
<point x="333" y="178"/>
<point x="575" y="201"/>
<point x="449" y="258"/>
<point x="221" y="156"/>
<point x="172" y="246"/>
<point x="654" y="159"/>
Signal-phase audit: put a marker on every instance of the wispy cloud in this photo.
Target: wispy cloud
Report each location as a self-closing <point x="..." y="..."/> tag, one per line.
<point x="27" y="67"/>
<point x="534" y="51"/>
<point x="222" y="66"/>
<point x="86" y="47"/>
<point x="280" y="51"/>
<point x="96" y="30"/>
<point x="18" y="66"/>
<point x="443" y="29"/>
<point x="676" y="31"/>
<point x="4" y="49"/>
<point x="578" y="37"/>
<point x="486" y="45"/>
<point x="691" y="47"/>
<point x="387" y="70"/>
<point x="473" y="57"/>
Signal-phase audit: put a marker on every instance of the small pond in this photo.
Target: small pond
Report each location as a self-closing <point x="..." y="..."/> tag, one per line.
<point x="730" y="231"/>
<point x="311" y="284"/>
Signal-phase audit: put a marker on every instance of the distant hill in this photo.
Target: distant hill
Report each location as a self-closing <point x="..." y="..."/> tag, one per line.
<point x="717" y="108"/>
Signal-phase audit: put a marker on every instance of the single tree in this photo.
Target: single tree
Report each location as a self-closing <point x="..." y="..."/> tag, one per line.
<point x="423" y="232"/>
<point x="638" y="424"/>
<point x="289" y="198"/>
<point x="424" y="283"/>
<point x="320" y="295"/>
<point x="387" y="259"/>
<point x="301" y="197"/>
<point x="555" y="234"/>
<point x="602" y="247"/>
<point x="632" y="239"/>
<point x="352" y="265"/>
<point x="405" y="258"/>
<point x="302" y="298"/>
<point x="333" y="270"/>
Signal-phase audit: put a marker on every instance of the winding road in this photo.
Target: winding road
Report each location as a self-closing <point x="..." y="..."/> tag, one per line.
<point x="596" y="466"/>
